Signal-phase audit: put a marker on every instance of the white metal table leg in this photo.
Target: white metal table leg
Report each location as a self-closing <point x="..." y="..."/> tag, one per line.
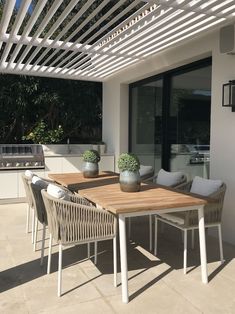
<point x="185" y="250"/>
<point x="123" y="257"/>
<point x="155" y="235"/>
<point x="150" y="233"/>
<point x="202" y="240"/>
<point x="115" y="261"/>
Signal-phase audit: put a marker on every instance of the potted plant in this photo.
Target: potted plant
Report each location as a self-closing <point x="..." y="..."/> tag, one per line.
<point x="90" y="163"/>
<point x="129" y="166"/>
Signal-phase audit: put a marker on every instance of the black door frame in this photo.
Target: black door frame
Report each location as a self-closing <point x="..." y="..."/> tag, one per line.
<point x="166" y="96"/>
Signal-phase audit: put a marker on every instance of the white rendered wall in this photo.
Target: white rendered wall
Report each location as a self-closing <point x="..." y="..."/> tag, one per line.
<point x="116" y="101"/>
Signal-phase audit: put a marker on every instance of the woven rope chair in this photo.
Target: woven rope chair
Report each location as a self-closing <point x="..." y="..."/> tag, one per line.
<point x="188" y="220"/>
<point x="72" y="224"/>
<point x="153" y="179"/>
<point x="29" y="199"/>
<point x="41" y="215"/>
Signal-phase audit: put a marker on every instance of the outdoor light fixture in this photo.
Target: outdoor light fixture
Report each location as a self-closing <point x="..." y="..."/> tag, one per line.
<point x="228" y="97"/>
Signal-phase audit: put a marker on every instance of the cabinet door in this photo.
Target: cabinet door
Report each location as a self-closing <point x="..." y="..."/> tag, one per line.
<point x="53" y="165"/>
<point x="8" y="184"/>
<point x="72" y="164"/>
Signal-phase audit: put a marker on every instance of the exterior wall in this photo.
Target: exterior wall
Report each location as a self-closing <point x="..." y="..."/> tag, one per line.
<point x="116" y="100"/>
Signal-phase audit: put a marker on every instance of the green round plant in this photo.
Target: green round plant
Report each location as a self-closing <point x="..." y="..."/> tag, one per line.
<point x="91" y="155"/>
<point x="128" y="161"/>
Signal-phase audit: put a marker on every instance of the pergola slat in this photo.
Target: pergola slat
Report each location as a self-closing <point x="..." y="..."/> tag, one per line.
<point x="114" y="39"/>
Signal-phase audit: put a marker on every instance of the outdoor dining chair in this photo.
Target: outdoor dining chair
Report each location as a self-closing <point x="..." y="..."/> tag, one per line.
<point x="164" y="178"/>
<point x="26" y="178"/>
<point x="72" y="224"/>
<point x="214" y="189"/>
<point x="40" y="211"/>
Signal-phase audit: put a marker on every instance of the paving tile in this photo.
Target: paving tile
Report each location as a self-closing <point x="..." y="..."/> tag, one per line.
<point x="156" y="284"/>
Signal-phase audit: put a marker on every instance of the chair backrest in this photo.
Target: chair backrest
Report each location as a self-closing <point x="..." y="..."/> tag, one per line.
<point x="171" y="179"/>
<point x="26" y="181"/>
<point x="71" y="222"/>
<point x="213" y="211"/>
<point x="39" y="205"/>
<point x="146" y="172"/>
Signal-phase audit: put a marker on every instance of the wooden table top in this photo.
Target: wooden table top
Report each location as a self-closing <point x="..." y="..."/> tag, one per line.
<point x="76" y="181"/>
<point x="105" y="191"/>
<point x="150" y="197"/>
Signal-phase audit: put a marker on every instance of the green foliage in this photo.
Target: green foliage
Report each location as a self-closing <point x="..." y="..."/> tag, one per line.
<point x="41" y="135"/>
<point x="91" y="156"/>
<point x="25" y="100"/>
<point x="128" y="161"/>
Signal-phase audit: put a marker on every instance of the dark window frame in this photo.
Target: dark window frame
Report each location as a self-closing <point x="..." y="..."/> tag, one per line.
<point x="167" y="80"/>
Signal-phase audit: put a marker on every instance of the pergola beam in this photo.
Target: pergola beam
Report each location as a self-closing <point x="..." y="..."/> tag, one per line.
<point x="107" y="38"/>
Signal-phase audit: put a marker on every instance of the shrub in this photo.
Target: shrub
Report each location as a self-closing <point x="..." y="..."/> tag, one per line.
<point x="41" y="135"/>
<point x="128" y="161"/>
<point x="91" y="156"/>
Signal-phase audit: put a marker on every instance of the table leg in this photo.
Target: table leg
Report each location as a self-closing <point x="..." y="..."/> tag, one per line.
<point x="123" y="257"/>
<point x="202" y="239"/>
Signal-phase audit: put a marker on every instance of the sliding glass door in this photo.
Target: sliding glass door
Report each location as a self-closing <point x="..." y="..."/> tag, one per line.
<point x="170" y="119"/>
<point x="190" y="107"/>
<point x="146" y="122"/>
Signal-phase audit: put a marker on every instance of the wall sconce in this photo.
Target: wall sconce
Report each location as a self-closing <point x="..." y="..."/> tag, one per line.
<point x="228" y="96"/>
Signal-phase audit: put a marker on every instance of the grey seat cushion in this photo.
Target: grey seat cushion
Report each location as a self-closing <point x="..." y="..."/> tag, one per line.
<point x="146" y="172"/>
<point x="205" y="187"/>
<point x="169" y="178"/>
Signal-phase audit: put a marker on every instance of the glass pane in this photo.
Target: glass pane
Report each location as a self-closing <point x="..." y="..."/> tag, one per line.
<point x="189" y="132"/>
<point x="146" y="123"/>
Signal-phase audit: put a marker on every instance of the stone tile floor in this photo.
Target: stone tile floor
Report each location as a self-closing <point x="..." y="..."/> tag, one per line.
<point x="156" y="285"/>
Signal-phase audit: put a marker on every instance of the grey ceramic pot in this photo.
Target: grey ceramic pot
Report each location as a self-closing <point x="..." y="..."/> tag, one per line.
<point x="129" y="181"/>
<point x="90" y="169"/>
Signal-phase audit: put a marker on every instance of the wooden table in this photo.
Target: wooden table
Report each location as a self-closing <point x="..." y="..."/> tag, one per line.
<point x="151" y="199"/>
<point x="76" y="181"/>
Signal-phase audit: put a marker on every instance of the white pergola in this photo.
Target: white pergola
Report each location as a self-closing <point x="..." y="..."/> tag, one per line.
<point x="136" y="32"/>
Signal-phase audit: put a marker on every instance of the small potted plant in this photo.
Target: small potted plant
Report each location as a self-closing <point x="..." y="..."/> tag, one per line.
<point x="129" y="166"/>
<point x="90" y="163"/>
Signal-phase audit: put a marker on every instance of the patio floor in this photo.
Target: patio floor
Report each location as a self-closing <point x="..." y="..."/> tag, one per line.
<point x="157" y="285"/>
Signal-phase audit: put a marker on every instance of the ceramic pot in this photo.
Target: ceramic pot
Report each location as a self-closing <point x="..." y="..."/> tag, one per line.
<point x="90" y="169"/>
<point x="129" y="181"/>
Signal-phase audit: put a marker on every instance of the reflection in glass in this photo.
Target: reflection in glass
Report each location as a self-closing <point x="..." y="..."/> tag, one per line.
<point x="146" y="123"/>
<point x="189" y="122"/>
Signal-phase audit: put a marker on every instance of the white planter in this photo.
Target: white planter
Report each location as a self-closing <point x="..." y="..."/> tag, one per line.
<point x="102" y="149"/>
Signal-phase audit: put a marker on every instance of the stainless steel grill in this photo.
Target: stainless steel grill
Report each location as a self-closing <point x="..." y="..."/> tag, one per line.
<point x="21" y="156"/>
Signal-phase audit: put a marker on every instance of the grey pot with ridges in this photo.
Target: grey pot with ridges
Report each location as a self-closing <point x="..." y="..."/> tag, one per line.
<point x="90" y="169"/>
<point x="129" y="181"/>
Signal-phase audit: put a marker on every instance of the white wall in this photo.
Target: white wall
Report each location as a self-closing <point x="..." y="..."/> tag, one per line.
<point x="116" y="99"/>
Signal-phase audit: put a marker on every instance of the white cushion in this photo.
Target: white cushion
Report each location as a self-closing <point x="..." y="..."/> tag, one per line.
<point x="29" y="174"/>
<point x="169" y="178"/>
<point x="57" y="192"/>
<point x="173" y="218"/>
<point x="205" y="187"/>
<point x="40" y="182"/>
